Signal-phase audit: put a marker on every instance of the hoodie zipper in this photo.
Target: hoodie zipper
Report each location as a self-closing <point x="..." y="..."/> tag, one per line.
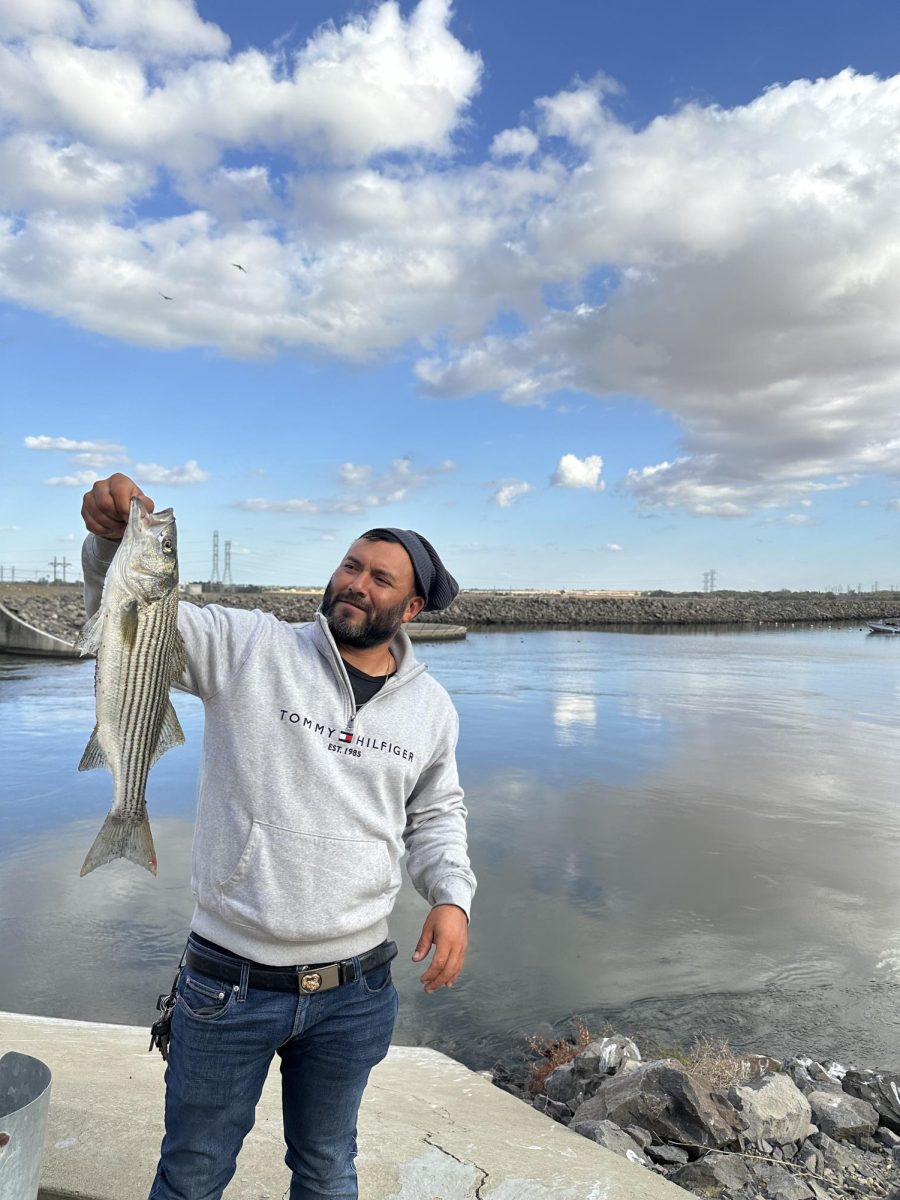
<point x="338" y="664"/>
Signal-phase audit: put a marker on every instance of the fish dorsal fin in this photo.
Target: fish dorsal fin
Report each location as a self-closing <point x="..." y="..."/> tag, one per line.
<point x="128" y="623"/>
<point x="93" y="754"/>
<point x="88" y="641"/>
<point x="170" y="734"/>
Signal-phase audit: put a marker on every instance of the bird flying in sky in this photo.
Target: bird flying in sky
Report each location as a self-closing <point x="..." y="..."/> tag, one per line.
<point x="239" y="267"/>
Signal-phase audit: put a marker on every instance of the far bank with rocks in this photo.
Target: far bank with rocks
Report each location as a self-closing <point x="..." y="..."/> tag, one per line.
<point x="59" y="610"/>
<point x="736" y="1127"/>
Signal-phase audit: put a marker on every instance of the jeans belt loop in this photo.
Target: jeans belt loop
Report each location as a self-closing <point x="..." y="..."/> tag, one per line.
<point x="245" y="982"/>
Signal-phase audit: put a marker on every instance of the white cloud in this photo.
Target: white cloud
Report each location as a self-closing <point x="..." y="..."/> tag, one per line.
<point x="741" y="253"/>
<point x="614" y="547"/>
<point x="39" y="172"/>
<point x="22" y="18"/>
<point x="42" y="442"/>
<point x="352" y="475"/>
<point x="377" y="84"/>
<point x="746" y="250"/>
<point x="98" y="460"/>
<point x="515" y="143"/>
<point x="155" y="28"/>
<point x="797" y="519"/>
<point x="575" y="472"/>
<point x="150" y="27"/>
<point x="10" y="528"/>
<point x="363" y="489"/>
<point x="893" y="506"/>
<point x="189" y="472"/>
<point x="79" y="479"/>
<point x="507" y="493"/>
<point x="705" y="487"/>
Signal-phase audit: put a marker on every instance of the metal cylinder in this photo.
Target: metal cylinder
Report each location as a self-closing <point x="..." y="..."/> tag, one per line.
<point x="24" y="1105"/>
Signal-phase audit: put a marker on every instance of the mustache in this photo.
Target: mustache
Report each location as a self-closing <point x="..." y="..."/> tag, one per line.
<point x="353" y="598"/>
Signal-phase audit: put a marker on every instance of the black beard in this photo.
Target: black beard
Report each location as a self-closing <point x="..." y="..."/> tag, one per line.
<point x="375" y="630"/>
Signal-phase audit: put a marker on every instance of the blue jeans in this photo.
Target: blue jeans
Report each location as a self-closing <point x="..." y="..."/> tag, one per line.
<point x="224" y="1037"/>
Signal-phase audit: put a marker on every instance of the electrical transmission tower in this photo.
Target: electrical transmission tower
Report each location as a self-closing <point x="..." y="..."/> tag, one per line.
<point x="226" y="578"/>
<point x="214" y="577"/>
<point x="56" y="564"/>
<point x="709" y="581"/>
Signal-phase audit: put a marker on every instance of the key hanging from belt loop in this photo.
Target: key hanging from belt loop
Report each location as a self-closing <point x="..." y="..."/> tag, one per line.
<point x="161" y="1029"/>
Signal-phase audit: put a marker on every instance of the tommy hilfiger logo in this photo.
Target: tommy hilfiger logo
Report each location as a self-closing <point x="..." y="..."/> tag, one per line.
<point x="345" y="739"/>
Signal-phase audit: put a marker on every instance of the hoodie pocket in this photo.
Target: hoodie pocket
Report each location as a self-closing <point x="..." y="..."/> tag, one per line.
<point x="305" y="887"/>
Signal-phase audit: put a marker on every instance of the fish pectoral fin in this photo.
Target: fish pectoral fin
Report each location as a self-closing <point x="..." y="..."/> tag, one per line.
<point x="88" y="641"/>
<point x="170" y="734"/>
<point x="93" y="754"/>
<point x="128" y="623"/>
<point x="121" y="837"/>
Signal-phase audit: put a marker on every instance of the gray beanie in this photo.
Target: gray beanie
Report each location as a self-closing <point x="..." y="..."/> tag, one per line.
<point x="433" y="581"/>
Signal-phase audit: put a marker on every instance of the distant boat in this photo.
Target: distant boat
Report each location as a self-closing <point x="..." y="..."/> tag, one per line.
<point x="888" y="625"/>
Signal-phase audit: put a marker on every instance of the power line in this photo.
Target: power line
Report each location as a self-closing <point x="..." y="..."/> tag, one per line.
<point x="56" y="564"/>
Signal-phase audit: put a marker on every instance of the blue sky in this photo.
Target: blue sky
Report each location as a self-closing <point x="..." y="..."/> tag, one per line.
<point x="598" y="301"/>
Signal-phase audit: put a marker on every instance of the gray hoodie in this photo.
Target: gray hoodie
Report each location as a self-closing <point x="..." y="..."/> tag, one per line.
<point x="305" y="803"/>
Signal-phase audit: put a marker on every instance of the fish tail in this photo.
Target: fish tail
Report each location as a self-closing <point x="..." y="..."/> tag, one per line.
<point x="122" y="837"/>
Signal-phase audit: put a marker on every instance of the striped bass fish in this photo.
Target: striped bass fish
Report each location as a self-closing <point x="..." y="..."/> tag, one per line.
<point x="134" y="634"/>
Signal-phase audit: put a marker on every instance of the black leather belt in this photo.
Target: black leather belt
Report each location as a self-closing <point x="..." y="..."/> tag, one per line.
<point x="306" y="980"/>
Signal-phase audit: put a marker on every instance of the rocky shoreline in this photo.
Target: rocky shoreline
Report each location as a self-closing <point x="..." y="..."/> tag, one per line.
<point x="719" y="1123"/>
<point x="59" y="610"/>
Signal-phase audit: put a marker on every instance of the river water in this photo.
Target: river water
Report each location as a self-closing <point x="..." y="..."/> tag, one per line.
<point x="677" y="833"/>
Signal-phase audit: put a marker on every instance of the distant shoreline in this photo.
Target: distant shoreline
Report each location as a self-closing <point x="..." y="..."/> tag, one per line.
<point x="58" y="610"/>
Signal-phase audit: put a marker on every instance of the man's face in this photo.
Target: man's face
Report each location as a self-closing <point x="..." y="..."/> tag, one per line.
<point x="370" y="595"/>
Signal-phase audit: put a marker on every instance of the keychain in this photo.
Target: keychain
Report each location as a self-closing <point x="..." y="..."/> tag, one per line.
<point x="161" y="1029"/>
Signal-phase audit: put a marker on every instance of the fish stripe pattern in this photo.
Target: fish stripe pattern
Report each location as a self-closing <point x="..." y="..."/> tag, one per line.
<point x="139" y="654"/>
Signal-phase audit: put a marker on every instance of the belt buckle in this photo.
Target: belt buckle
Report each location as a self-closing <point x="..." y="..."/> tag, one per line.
<point x="310" y="982"/>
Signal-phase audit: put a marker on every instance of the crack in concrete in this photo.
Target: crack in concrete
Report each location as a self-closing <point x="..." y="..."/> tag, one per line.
<point x="463" y="1162"/>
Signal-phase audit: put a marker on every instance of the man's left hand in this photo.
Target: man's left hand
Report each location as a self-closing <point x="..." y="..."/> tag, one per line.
<point x="447" y="929"/>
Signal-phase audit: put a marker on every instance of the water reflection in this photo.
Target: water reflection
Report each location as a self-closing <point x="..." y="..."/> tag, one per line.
<point x="680" y="834"/>
<point x="571" y="716"/>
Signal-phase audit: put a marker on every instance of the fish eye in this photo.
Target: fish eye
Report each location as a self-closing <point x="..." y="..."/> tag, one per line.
<point x="167" y="545"/>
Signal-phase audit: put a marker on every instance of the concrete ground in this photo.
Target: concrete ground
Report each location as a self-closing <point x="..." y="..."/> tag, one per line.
<point x="430" y="1129"/>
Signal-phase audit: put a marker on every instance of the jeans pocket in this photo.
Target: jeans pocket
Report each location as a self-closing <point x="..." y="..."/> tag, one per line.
<point x="203" y="996"/>
<point x="376" y="980"/>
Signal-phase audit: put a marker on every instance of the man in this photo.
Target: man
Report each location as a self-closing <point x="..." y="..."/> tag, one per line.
<point x="327" y="749"/>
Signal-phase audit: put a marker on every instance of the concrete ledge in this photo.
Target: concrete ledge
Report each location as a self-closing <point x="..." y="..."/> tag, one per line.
<point x="422" y="631"/>
<point x="429" y="1128"/>
<point x="18" y="637"/>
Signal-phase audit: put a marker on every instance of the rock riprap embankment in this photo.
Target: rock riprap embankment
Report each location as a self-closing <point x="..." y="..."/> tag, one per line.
<point x="761" y="1130"/>
<point x="58" y="610"/>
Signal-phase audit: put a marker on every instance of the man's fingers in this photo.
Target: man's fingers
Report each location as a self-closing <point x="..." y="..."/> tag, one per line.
<point x="423" y="945"/>
<point x="121" y="489"/>
<point x="106" y="506"/>
<point x="444" y="969"/>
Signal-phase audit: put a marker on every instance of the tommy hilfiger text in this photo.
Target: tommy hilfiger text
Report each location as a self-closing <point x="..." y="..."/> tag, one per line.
<point x="345" y="737"/>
